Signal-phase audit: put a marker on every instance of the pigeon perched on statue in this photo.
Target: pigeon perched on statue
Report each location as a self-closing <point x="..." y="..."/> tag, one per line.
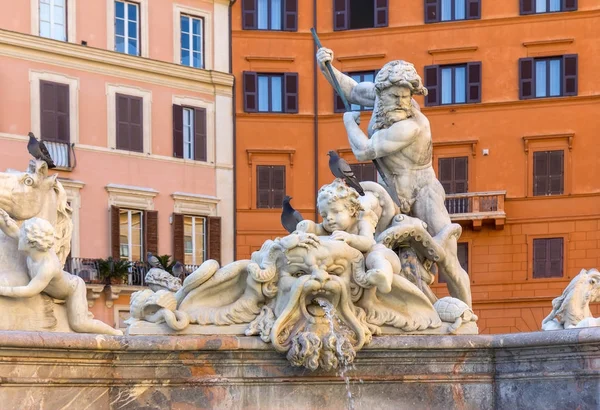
<point x="341" y="169"/>
<point x="154" y="261"/>
<point x="289" y="216"/>
<point x="38" y="150"/>
<point x="178" y="270"/>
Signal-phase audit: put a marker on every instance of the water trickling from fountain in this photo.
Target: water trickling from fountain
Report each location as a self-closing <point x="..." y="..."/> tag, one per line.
<point x="344" y="365"/>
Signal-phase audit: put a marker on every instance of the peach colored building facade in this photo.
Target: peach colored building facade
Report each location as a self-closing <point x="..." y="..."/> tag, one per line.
<point x="155" y="72"/>
<point x="500" y="134"/>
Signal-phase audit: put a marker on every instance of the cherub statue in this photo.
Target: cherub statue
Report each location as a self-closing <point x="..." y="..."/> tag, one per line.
<point x="36" y="239"/>
<point x="345" y="219"/>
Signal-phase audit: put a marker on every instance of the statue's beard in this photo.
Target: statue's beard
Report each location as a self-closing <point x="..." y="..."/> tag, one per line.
<point x="385" y="117"/>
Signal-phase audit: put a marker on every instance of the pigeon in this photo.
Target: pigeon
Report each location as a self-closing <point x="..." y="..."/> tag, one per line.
<point x="289" y="216"/>
<point x="341" y="169"/>
<point x="154" y="261"/>
<point x="178" y="270"/>
<point x="38" y="150"/>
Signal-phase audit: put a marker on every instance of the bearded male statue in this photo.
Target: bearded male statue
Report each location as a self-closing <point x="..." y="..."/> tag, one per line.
<point x="399" y="136"/>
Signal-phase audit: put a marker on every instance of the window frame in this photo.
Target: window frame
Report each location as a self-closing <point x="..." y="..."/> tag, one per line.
<point x="548" y="191"/>
<point x="453" y="68"/>
<point x="342" y="8"/>
<point x="529" y="7"/>
<point x="52" y="6"/>
<point x="453" y="10"/>
<point x="433" y="11"/>
<point x="207" y="34"/>
<point x="356" y="166"/>
<point x="205" y="241"/>
<point x="568" y="82"/>
<point x="142" y="26"/>
<point x="546" y="61"/>
<point x="111" y="93"/>
<point x="70" y="20"/>
<point x="289" y="15"/>
<point x="191" y="41"/>
<point x="290" y="92"/>
<point x="271" y="202"/>
<point x="473" y="83"/>
<point x="270" y="77"/>
<point x="209" y="108"/>
<point x="129" y="212"/>
<point x="126" y="22"/>
<point x="531" y="262"/>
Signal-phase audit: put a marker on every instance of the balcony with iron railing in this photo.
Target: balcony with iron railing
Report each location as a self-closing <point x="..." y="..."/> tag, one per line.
<point x="477" y="208"/>
<point x="88" y="270"/>
<point x="60" y="152"/>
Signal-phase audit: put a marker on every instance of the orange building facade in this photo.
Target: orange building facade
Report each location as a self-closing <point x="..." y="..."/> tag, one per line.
<point x="513" y="106"/>
<point x="134" y="101"/>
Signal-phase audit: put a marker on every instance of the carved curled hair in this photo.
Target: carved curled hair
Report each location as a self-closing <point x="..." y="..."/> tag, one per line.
<point x="338" y="190"/>
<point x="400" y="73"/>
<point x="39" y="233"/>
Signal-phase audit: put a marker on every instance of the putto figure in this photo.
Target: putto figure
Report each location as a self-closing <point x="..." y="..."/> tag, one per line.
<point x="36" y="239"/>
<point x="400" y="136"/>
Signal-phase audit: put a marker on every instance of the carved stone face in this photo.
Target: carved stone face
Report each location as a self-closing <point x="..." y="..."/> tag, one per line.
<point x="22" y="193"/>
<point x="314" y="307"/>
<point x="336" y="215"/>
<point x="394" y="104"/>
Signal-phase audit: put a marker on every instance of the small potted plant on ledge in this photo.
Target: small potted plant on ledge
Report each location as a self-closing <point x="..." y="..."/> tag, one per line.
<point x="114" y="271"/>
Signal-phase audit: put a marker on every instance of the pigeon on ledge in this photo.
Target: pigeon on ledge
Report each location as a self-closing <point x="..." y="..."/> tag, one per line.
<point x="38" y="150"/>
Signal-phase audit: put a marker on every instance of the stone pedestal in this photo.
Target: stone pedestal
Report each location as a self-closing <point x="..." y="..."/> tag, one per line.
<point x="550" y="370"/>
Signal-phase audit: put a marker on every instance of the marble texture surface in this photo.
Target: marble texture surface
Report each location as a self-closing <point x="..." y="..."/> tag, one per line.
<point x="550" y="370"/>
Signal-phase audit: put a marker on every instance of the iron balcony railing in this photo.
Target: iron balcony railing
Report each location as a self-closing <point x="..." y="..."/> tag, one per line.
<point x="88" y="270"/>
<point x="60" y="153"/>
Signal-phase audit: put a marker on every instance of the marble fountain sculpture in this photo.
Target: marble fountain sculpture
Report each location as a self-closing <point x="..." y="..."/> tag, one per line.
<point x="324" y="291"/>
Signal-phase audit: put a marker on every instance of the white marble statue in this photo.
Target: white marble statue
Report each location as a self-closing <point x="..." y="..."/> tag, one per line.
<point x="35" y="237"/>
<point x="322" y="292"/>
<point x="399" y="136"/>
<point x="572" y="308"/>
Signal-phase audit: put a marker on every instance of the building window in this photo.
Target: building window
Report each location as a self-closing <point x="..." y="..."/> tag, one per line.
<point x="189" y="133"/>
<point x="453" y="84"/>
<point x="357" y="14"/>
<point x="359" y="77"/>
<point x="270" y="15"/>
<point x="546" y="6"/>
<point x="131" y="235"/>
<point x="548" y="258"/>
<point x="127" y="27"/>
<point x="53" y="19"/>
<point x="451" y="10"/>
<point x="270" y="186"/>
<point x="548" y="173"/>
<point x="192" y="47"/>
<point x="54" y="112"/>
<point x="453" y="174"/>
<point x="270" y="92"/>
<point x="129" y="123"/>
<point x="548" y="76"/>
<point x="194" y="239"/>
<point x="364" y="172"/>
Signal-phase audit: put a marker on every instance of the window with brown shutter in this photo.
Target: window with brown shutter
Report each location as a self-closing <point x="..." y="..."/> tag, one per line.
<point x="548" y="173"/>
<point x="270" y="15"/>
<point x="151" y="232"/>
<point x="132" y="233"/>
<point x="453" y="174"/>
<point x="546" y="6"/>
<point x="451" y="10"/>
<point x="178" y="238"/>
<point x="548" y="76"/>
<point x="270" y="92"/>
<point x="364" y="172"/>
<point x="129" y="125"/>
<point x="357" y="14"/>
<point x="453" y="84"/>
<point x="270" y="186"/>
<point x="548" y="255"/>
<point x="189" y="133"/>
<point x="54" y="112"/>
<point x="214" y="238"/>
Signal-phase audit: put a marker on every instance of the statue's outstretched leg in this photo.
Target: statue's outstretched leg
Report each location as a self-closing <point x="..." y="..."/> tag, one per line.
<point x="381" y="263"/>
<point x="77" y="312"/>
<point x="429" y="207"/>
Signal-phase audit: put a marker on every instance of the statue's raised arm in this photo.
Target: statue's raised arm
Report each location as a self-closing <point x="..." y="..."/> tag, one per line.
<point x="356" y="93"/>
